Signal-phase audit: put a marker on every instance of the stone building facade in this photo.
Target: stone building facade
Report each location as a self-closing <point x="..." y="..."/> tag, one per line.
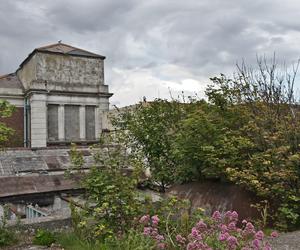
<point x="60" y="96"/>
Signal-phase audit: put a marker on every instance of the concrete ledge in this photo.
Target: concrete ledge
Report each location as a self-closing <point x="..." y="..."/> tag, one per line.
<point x="52" y="223"/>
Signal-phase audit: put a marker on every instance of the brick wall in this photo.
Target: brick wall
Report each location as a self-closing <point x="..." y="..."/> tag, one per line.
<point x="16" y="122"/>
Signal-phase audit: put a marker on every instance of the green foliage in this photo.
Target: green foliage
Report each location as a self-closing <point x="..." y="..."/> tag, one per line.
<point x="44" y="238"/>
<point x="151" y="129"/>
<point x="6" y="111"/>
<point x="131" y="240"/>
<point x="247" y="133"/>
<point x="112" y="200"/>
<point x="71" y="241"/>
<point x="8" y="236"/>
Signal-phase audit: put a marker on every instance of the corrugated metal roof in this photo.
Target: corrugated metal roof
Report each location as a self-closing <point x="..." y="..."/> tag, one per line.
<point x="10" y="81"/>
<point x="21" y="185"/>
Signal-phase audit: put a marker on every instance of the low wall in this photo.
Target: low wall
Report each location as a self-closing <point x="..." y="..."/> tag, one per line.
<point x="215" y="195"/>
<point x="52" y="223"/>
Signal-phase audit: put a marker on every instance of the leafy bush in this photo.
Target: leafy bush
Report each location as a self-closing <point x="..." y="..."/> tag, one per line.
<point x="112" y="199"/>
<point x="8" y="236"/>
<point x="248" y="133"/>
<point x="44" y="238"/>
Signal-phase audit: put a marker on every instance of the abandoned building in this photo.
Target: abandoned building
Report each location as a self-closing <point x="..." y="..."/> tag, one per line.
<point x="60" y="96"/>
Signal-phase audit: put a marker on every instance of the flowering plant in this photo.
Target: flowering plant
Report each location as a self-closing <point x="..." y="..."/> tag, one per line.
<point x="220" y="231"/>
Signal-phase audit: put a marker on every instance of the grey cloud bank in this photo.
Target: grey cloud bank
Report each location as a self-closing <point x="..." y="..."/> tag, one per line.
<point x="154" y="47"/>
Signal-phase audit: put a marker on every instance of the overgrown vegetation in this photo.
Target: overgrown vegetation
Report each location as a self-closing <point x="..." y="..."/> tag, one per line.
<point x="6" y="110"/>
<point x="247" y="132"/>
<point x="44" y="238"/>
<point x="8" y="236"/>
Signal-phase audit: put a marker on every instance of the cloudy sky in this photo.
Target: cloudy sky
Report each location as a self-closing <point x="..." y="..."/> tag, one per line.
<point x="154" y="47"/>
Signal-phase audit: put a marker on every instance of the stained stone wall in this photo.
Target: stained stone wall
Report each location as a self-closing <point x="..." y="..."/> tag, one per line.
<point x="72" y="129"/>
<point x="90" y="122"/>
<point x="52" y="122"/>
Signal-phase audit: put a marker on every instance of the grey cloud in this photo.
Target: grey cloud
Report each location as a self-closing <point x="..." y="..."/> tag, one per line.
<point x="167" y="40"/>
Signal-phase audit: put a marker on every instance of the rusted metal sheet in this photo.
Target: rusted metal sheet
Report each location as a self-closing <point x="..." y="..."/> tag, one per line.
<point x="22" y="185"/>
<point x="10" y="81"/>
<point x="215" y="195"/>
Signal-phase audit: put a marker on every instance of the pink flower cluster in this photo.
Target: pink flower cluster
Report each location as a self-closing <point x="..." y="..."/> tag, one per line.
<point x="151" y="230"/>
<point x="219" y="231"/>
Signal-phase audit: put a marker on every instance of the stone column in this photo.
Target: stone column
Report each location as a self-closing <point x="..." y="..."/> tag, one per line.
<point x="38" y="120"/>
<point x="82" y="122"/>
<point x="61" y="122"/>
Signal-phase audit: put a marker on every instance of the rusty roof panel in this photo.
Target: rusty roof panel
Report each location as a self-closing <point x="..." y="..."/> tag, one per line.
<point x="21" y="185"/>
<point x="10" y="81"/>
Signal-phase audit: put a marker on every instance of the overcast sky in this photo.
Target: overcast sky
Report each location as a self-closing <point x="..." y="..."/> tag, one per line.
<point x="154" y="47"/>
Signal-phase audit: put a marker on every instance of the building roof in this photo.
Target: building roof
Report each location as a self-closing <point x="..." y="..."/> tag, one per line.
<point x="10" y="81"/>
<point x="22" y="185"/>
<point x="67" y="49"/>
<point x="63" y="49"/>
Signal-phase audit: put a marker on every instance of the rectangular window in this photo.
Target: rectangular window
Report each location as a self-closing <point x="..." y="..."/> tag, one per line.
<point x="72" y="131"/>
<point x="52" y="122"/>
<point x="90" y="122"/>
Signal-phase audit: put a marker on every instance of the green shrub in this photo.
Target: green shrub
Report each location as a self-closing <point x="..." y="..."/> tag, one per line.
<point x="7" y="237"/>
<point x="44" y="238"/>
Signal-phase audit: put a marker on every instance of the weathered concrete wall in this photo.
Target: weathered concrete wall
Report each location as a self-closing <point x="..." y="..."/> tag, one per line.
<point x="27" y="74"/>
<point x="52" y="223"/>
<point x="54" y="72"/>
<point x="71" y="71"/>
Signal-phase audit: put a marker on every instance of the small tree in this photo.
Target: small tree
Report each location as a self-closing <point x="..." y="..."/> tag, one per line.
<point x="151" y="129"/>
<point x="6" y="110"/>
<point x="112" y="202"/>
<point x="260" y="149"/>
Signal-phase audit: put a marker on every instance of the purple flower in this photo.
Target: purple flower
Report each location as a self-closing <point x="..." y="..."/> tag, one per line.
<point x="244" y="222"/>
<point x="249" y="229"/>
<point x="267" y="247"/>
<point x="147" y="230"/>
<point x="216" y="216"/>
<point x="249" y="226"/>
<point x="161" y="245"/>
<point x="191" y="246"/>
<point x="228" y="214"/>
<point x="232" y="242"/>
<point x="274" y="234"/>
<point x="154" y="232"/>
<point x="234" y="216"/>
<point x="155" y="220"/>
<point x="223" y="228"/>
<point x="259" y="235"/>
<point x="201" y="226"/>
<point x="159" y="237"/>
<point x="180" y="239"/>
<point x="231" y="226"/>
<point x="255" y="244"/>
<point x="144" y="219"/>
<point x="223" y="236"/>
